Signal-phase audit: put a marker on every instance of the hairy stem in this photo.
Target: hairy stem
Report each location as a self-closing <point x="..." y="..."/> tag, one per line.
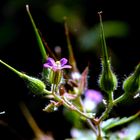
<point x="69" y="105"/>
<point x="89" y="122"/>
<point x="99" y="137"/>
<point x="108" y="107"/>
<point x="119" y="99"/>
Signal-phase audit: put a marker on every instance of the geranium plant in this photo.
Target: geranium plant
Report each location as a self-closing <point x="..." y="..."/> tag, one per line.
<point x="63" y="85"/>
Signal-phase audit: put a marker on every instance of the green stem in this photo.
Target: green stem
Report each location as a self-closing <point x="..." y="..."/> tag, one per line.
<point x="105" y="114"/>
<point x="108" y="108"/>
<point x="99" y="137"/>
<point x="69" y="105"/>
<point x="119" y="99"/>
<point x="111" y="97"/>
<point x="49" y="93"/>
<point x="110" y="105"/>
<point x="89" y="122"/>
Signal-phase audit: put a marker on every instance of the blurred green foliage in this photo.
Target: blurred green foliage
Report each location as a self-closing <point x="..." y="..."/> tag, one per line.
<point x="88" y="37"/>
<point x="8" y="32"/>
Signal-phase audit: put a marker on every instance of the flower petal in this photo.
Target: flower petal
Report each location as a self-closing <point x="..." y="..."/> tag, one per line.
<point x="55" y="68"/>
<point x="66" y="67"/>
<point x="63" y="61"/>
<point x="51" y="62"/>
<point x="46" y="65"/>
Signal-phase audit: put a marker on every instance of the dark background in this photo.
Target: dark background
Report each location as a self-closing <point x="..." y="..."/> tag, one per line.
<point x="19" y="48"/>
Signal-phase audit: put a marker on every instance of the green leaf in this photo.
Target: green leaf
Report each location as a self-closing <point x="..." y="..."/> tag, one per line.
<point x="113" y="122"/>
<point x="8" y="32"/>
<point x="58" y="11"/>
<point x="131" y="132"/>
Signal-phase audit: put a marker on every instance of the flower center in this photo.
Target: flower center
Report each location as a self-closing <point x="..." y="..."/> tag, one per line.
<point x="58" y="64"/>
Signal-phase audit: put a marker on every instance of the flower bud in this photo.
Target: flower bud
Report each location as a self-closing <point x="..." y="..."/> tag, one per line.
<point x="132" y="83"/>
<point x="107" y="79"/>
<point x="34" y="84"/>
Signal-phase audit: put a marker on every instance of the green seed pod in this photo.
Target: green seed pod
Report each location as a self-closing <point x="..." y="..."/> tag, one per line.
<point x="35" y="85"/>
<point x="107" y="79"/>
<point x="132" y="84"/>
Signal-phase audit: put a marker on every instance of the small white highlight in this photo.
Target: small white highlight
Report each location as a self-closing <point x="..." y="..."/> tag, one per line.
<point x="89" y="104"/>
<point x="104" y="102"/>
<point x="27" y="7"/>
<point x="76" y="75"/>
<point x="137" y="96"/>
<point x="3" y="112"/>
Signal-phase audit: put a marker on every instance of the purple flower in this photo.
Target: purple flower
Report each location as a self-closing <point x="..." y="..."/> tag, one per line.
<point x="92" y="99"/>
<point x="94" y="95"/>
<point x="58" y="65"/>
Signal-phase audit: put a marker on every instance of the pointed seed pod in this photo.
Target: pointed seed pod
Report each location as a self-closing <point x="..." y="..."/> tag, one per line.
<point x="35" y="85"/>
<point x="107" y="79"/>
<point x="132" y="84"/>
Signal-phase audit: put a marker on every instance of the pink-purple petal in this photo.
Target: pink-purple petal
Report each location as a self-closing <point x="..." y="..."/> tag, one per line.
<point x="54" y="69"/>
<point x="46" y="65"/>
<point x="63" y="61"/>
<point x="51" y="62"/>
<point x="66" y="67"/>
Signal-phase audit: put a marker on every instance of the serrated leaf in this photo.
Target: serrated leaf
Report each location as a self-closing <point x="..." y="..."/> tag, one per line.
<point x="113" y="122"/>
<point x="131" y="132"/>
